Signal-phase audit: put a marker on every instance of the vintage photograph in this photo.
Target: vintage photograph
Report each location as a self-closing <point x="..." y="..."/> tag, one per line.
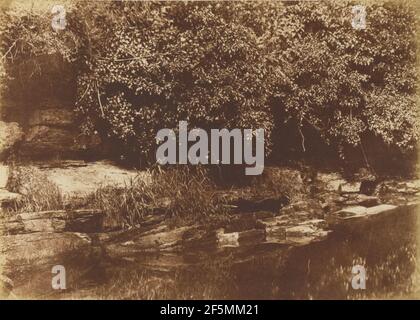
<point x="209" y="150"/>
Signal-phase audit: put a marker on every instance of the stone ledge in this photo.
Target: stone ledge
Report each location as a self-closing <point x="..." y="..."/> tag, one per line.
<point x="53" y="221"/>
<point x="7" y="198"/>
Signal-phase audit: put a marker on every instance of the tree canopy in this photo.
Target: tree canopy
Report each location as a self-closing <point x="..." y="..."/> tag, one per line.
<point x="143" y="66"/>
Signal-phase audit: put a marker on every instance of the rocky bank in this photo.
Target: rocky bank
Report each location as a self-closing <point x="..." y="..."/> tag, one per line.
<point x="39" y="240"/>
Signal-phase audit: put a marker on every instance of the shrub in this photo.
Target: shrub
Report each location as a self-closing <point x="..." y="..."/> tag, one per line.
<point x="168" y="62"/>
<point x="344" y="83"/>
<point x="230" y="64"/>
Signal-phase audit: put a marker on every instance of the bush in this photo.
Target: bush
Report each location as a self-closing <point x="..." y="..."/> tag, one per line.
<point x="168" y="62"/>
<point x="231" y="64"/>
<point x="346" y="84"/>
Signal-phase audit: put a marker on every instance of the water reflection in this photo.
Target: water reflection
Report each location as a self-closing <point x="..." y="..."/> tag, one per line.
<point x="387" y="248"/>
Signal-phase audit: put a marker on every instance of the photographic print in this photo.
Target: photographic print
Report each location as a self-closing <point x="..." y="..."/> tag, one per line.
<point x="209" y="150"/>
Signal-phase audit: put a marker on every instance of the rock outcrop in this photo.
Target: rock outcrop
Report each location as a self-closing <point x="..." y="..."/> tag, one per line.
<point x="54" y="131"/>
<point x="10" y="134"/>
<point x="87" y="221"/>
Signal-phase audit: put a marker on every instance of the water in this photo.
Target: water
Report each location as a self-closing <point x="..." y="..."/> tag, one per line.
<point x="387" y="249"/>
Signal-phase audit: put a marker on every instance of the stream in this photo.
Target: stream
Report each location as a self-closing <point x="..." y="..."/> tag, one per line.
<point x="387" y="249"/>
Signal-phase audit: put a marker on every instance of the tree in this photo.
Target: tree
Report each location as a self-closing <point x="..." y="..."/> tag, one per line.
<point x="166" y="62"/>
<point x="349" y="83"/>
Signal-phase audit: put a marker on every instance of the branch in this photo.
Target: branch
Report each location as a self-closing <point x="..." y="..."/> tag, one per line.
<point x="303" y="138"/>
<point x="10" y="49"/>
<point x="99" y="100"/>
<point x="83" y="95"/>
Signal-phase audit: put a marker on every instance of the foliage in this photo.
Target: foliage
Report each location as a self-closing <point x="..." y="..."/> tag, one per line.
<point x="143" y="66"/>
<point x="345" y="82"/>
<point x="168" y="62"/>
<point x="27" y="35"/>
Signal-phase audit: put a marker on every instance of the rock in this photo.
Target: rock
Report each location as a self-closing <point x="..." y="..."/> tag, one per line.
<point x="43" y="225"/>
<point x="84" y="180"/>
<point x="241" y="223"/>
<point x="53" y="221"/>
<point x="300" y="230"/>
<point x="381" y="209"/>
<point x="367" y="201"/>
<point x="29" y="258"/>
<point x="362" y="200"/>
<point x="307" y="232"/>
<point x="43" y="140"/>
<point x="234" y="239"/>
<point x="227" y="239"/>
<point x="85" y="220"/>
<point x="6" y="286"/>
<point x="301" y="215"/>
<point x="138" y="240"/>
<point x="349" y="187"/>
<point x="92" y="143"/>
<point x="59" y="117"/>
<point x="10" y="134"/>
<point x="316" y="236"/>
<point x="8" y="198"/>
<point x="339" y="199"/>
<point x="275" y="234"/>
<point x="274" y="221"/>
<point x="351" y="211"/>
<point x="414" y="184"/>
<point x="408" y="191"/>
<point x="24" y="250"/>
<point x="4" y="175"/>
<point x="78" y="179"/>
<point x="357" y="217"/>
<point x="199" y="238"/>
<point x="300" y="205"/>
<point x="251" y="237"/>
<point x="331" y="181"/>
<point x="280" y="229"/>
<point x="246" y="221"/>
<point x="47" y="141"/>
<point x="317" y="223"/>
<point x="286" y="210"/>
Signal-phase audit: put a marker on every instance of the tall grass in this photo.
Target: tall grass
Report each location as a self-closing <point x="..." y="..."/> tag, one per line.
<point x="277" y="182"/>
<point x="183" y="194"/>
<point x="38" y="192"/>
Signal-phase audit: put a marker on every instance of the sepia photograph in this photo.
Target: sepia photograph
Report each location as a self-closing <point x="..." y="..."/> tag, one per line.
<point x="209" y="150"/>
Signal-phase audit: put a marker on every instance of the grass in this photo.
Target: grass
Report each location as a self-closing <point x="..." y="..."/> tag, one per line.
<point x="183" y="195"/>
<point x="278" y="182"/>
<point x="38" y="192"/>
